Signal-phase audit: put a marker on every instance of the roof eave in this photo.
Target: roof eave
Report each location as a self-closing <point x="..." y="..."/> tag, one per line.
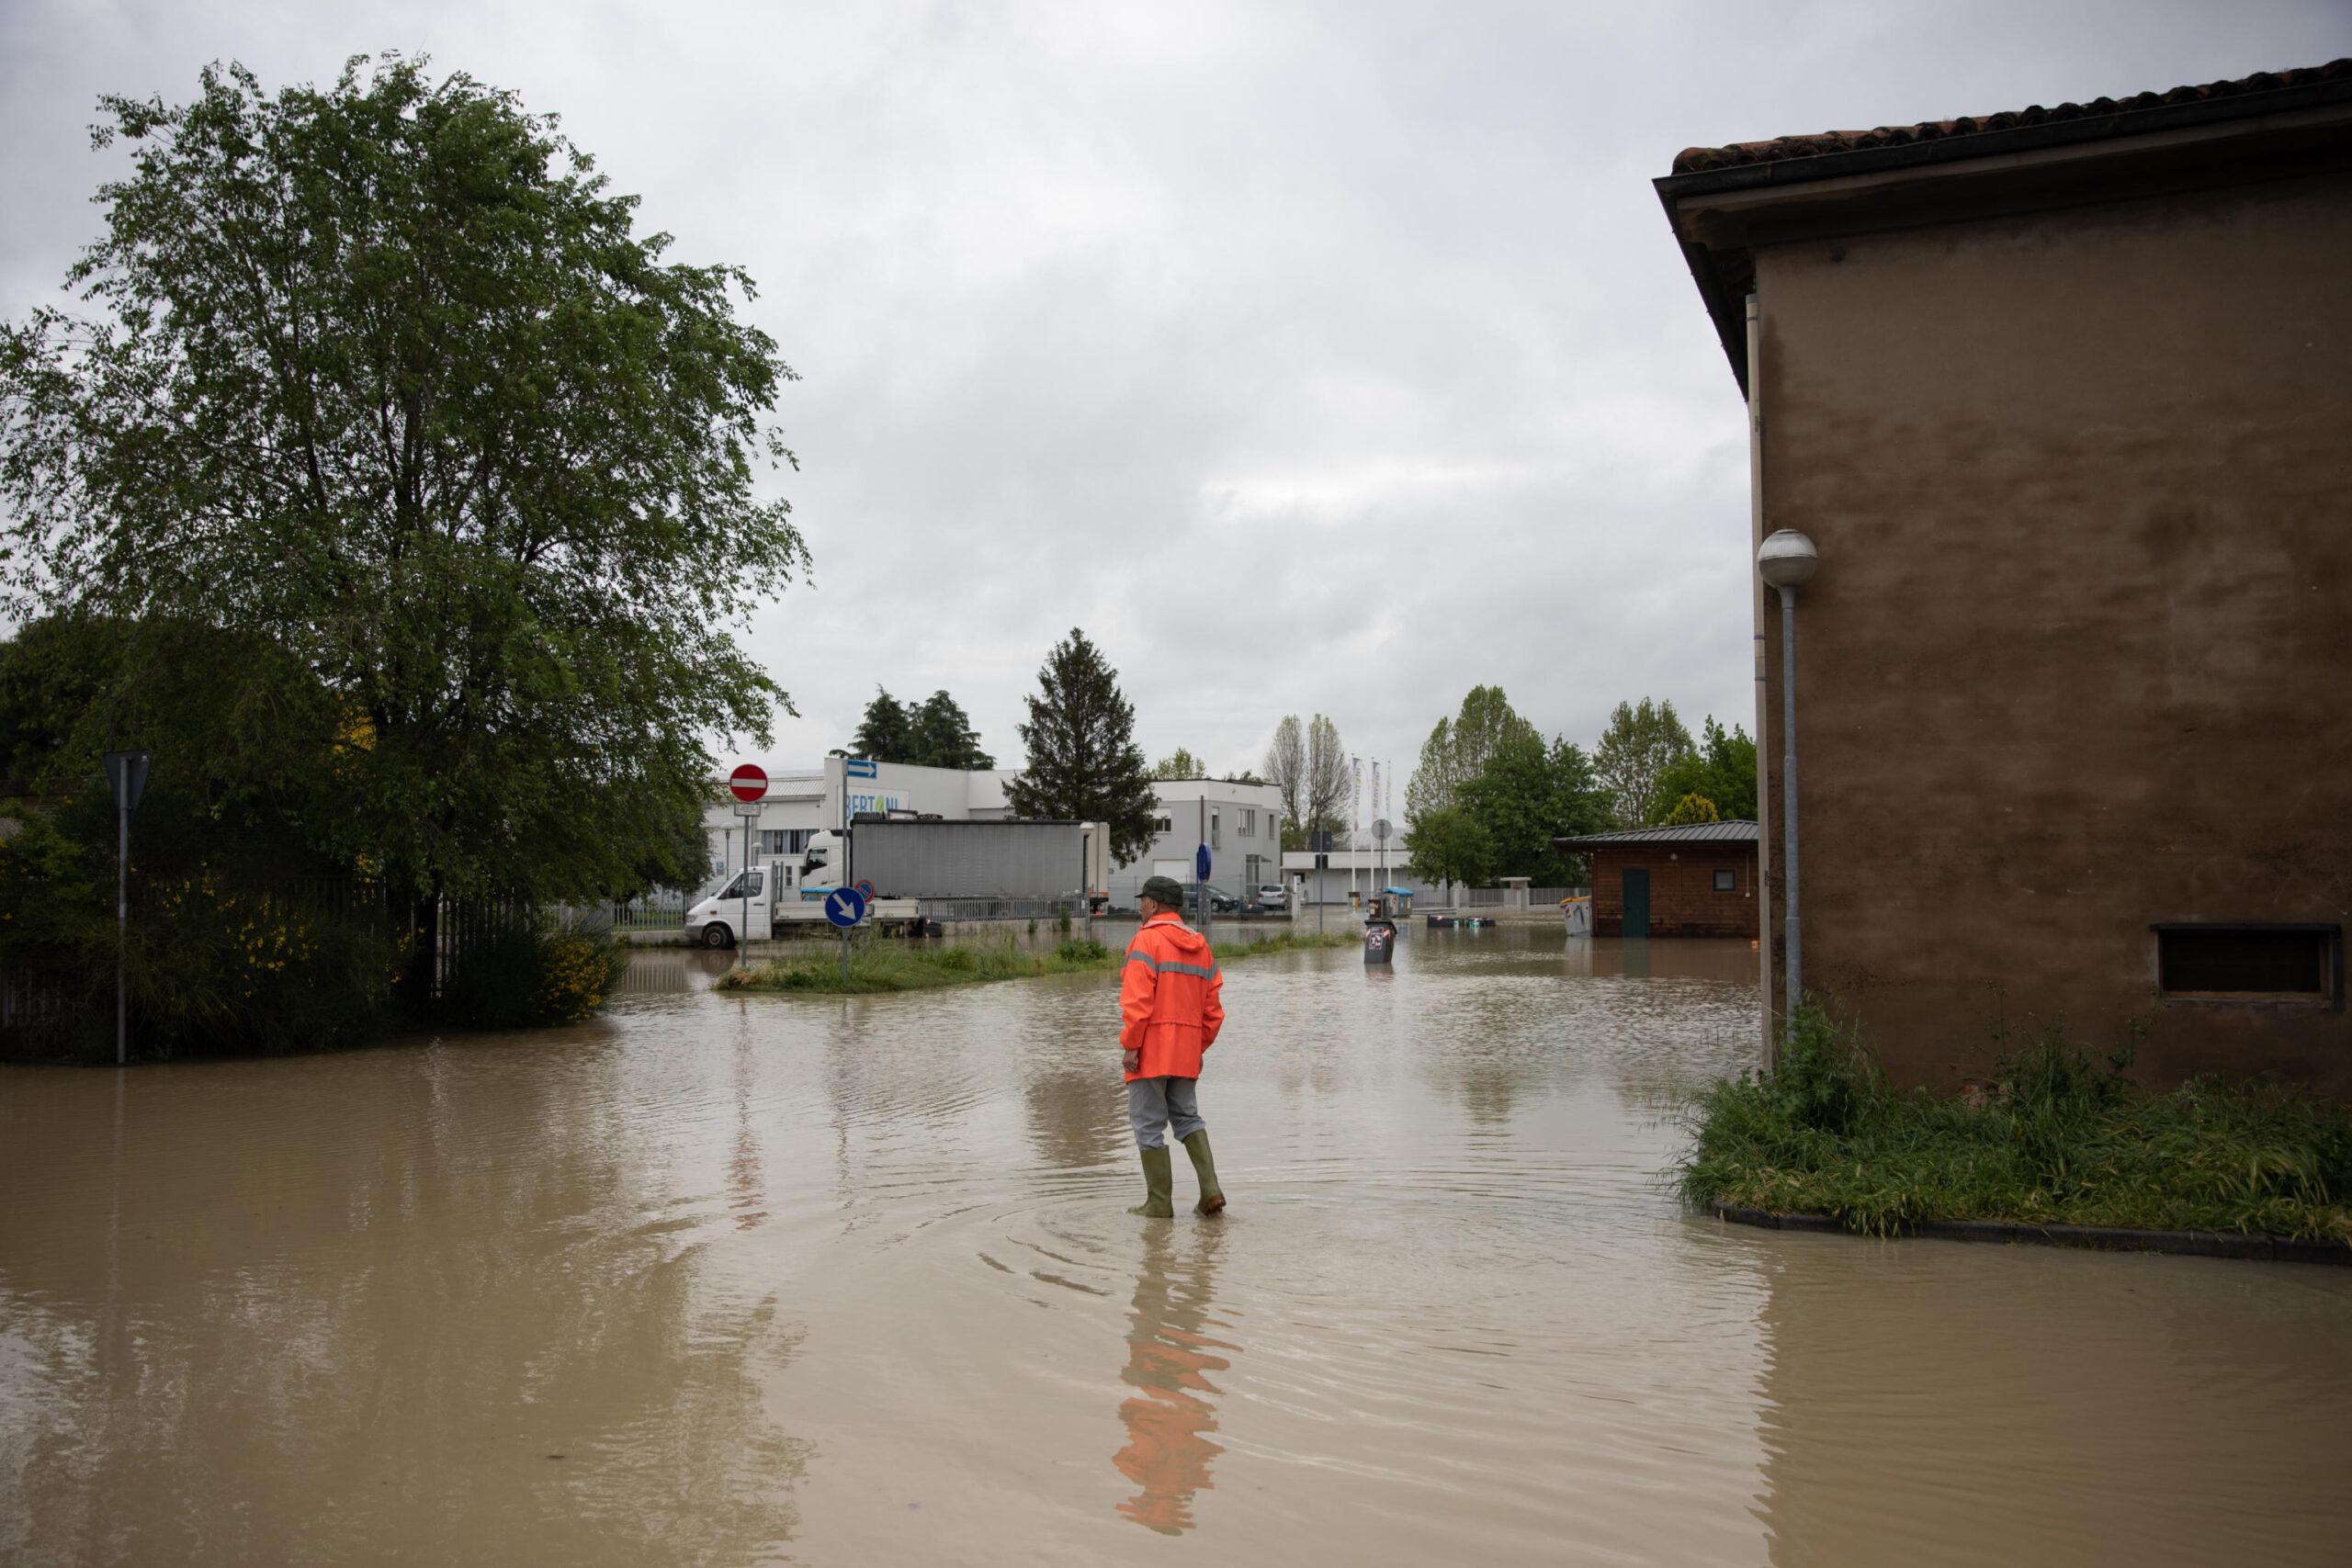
<point x="1729" y="313"/>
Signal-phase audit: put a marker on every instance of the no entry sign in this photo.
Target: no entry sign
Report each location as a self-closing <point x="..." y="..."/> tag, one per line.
<point x="749" y="782"/>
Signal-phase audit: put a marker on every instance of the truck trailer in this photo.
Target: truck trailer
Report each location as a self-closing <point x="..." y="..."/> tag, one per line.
<point x="904" y="862"/>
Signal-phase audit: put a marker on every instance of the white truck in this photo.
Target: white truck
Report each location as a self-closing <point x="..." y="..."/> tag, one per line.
<point x="783" y="893"/>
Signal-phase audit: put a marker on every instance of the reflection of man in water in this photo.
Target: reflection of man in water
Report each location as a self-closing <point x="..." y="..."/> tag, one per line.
<point x="1170" y="1013"/>
<point x="1169" y="1416"/>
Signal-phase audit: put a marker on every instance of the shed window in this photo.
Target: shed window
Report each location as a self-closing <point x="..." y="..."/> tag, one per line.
<point x="2250" y="960"/>
<point x="1726" y="882"/>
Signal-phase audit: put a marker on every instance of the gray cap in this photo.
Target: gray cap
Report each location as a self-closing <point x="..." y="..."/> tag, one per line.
<point x="1166" y="889"/>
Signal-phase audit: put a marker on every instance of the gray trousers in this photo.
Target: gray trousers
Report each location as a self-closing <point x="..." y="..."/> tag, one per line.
<point x="1155" y="1105"/>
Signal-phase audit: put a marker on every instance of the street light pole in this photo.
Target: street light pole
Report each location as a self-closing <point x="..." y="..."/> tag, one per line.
<point x="1787" y="561"/>
<point x="1792" y="933"/>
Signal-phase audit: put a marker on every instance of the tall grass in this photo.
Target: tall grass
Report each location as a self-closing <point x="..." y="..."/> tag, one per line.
<point x="879" y="968"/>
<point x="2057" y="1137"/>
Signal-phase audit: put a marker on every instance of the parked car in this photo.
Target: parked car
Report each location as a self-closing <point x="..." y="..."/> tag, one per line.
<point x="1220" y="901"/>
<point x="1273" y="895"/>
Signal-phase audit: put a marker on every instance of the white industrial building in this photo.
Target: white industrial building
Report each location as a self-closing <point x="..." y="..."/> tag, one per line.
<point x="1241" y="824"/>
<point x="800" y="801"/>
<point x="1352" y="876"/>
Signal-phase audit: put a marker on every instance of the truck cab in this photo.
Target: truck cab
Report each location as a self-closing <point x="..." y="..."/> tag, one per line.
<point x="783" y="892"/>
<point x="747" y="900"/>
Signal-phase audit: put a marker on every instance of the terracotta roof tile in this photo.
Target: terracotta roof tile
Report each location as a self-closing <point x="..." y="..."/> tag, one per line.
<point x="1779" y="149"/>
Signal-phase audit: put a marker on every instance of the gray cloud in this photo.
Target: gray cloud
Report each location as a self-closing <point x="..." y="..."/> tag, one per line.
<point x="1312" y="359"/>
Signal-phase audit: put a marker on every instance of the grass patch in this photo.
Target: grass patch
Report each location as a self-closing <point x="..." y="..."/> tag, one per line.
<point x="877" y="968"/>
<point x="2057" y="1138"/>
<point x="1289" y="942"/>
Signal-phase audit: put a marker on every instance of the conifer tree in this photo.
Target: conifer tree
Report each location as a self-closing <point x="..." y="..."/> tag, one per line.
<point x="1083" y="761"/>
<point x="944" y="736"/>
<point x="887" y="733"/>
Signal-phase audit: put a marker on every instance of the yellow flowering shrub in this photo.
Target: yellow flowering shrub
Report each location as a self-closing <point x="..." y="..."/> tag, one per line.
<point x="578" y="973"/>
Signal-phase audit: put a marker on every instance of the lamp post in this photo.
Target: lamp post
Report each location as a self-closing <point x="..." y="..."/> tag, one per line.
<point x="1786" y="560"/>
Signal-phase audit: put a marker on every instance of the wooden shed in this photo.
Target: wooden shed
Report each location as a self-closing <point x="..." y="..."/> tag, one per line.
<point x="1698" y="880"/>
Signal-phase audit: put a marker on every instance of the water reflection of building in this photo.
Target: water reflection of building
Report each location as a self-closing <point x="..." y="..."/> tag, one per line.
<point x="1170" y="1415"/>
<point x="1925" y="1402"/>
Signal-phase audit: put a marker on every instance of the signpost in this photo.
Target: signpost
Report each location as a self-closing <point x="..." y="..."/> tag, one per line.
<point x="844" y="907"/>
<point x="127" y="777"/>
<point x="749" y="785"/>
<point x="1321" y="844"/>
<point x="1200" y="866"/>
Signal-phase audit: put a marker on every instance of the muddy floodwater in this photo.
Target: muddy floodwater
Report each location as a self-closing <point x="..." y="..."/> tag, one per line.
<point x="845" y="1282"/>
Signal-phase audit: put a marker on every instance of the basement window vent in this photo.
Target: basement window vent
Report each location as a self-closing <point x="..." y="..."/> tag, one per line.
<point x="2302" y="962"/>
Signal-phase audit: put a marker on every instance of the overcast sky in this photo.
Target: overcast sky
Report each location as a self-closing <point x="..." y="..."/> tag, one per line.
<point x="1311" y="358"/>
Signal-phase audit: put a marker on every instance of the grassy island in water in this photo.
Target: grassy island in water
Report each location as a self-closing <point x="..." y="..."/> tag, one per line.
<point x="2055" y="1138"/>
<point x="916" y="966"/>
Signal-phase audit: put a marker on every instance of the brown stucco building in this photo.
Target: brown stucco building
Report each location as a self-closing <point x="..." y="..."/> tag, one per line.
<point x="1698" y="880"/>
<point x="2064" y="399"/>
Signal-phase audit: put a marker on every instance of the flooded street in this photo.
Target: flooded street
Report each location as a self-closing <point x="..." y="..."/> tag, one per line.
<point x="829" y="1281"/>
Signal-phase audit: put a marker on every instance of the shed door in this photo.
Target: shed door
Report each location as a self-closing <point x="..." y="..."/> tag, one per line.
<point x="1637" y="903"/>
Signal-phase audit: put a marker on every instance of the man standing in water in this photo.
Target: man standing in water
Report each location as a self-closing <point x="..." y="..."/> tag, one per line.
<point x="1168" y="1014"/>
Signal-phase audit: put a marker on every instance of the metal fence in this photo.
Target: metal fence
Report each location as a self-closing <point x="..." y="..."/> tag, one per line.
<point x="1493" y="897"/>
<point x="661" y="912"/>
<point x="36" y="997"/>
<point x="1004" y="908"/>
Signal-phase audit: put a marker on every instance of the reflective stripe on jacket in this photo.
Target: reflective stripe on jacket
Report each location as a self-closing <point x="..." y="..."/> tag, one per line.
<point x="1168" y="1005"/>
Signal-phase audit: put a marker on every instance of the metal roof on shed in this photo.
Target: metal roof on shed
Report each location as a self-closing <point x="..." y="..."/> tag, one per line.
<point x="1733" y="832"/>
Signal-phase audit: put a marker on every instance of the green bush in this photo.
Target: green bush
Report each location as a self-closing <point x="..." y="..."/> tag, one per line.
<point x="514" y="969"/>
<point x="1082" y="950"/>
<point x="217" y="968"/>
<point x="2057" y="1136"/>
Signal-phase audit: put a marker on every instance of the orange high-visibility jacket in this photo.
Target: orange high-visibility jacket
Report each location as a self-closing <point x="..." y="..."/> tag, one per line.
<point x="1168" y="1007"/>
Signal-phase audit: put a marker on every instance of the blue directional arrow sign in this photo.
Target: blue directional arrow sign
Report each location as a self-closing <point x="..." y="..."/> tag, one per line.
<point x="844" y="907"/>
<point x="1201" y="863"/>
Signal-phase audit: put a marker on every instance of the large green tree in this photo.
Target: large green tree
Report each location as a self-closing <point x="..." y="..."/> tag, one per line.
<point x="1179" y="764"/>
<point x="1721" y="771"/>
<point x="1083" y="761"/>
<point x="1635" y="750"/>
<point x="383" y="379"/>
<point x="1457" y="750"/>
<point x="1489" y="797"/>
<point x="1450" y="844"/>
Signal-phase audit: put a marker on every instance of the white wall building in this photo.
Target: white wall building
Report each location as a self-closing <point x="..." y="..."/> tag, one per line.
<point x="1241" y="824"/>
<point x="800" y="801"/>
<point x="1353" y="875"/>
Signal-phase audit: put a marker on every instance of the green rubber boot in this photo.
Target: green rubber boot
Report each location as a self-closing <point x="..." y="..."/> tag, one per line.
<point x="1205" y="1167"/>
<point x="1158" y="1185"/>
